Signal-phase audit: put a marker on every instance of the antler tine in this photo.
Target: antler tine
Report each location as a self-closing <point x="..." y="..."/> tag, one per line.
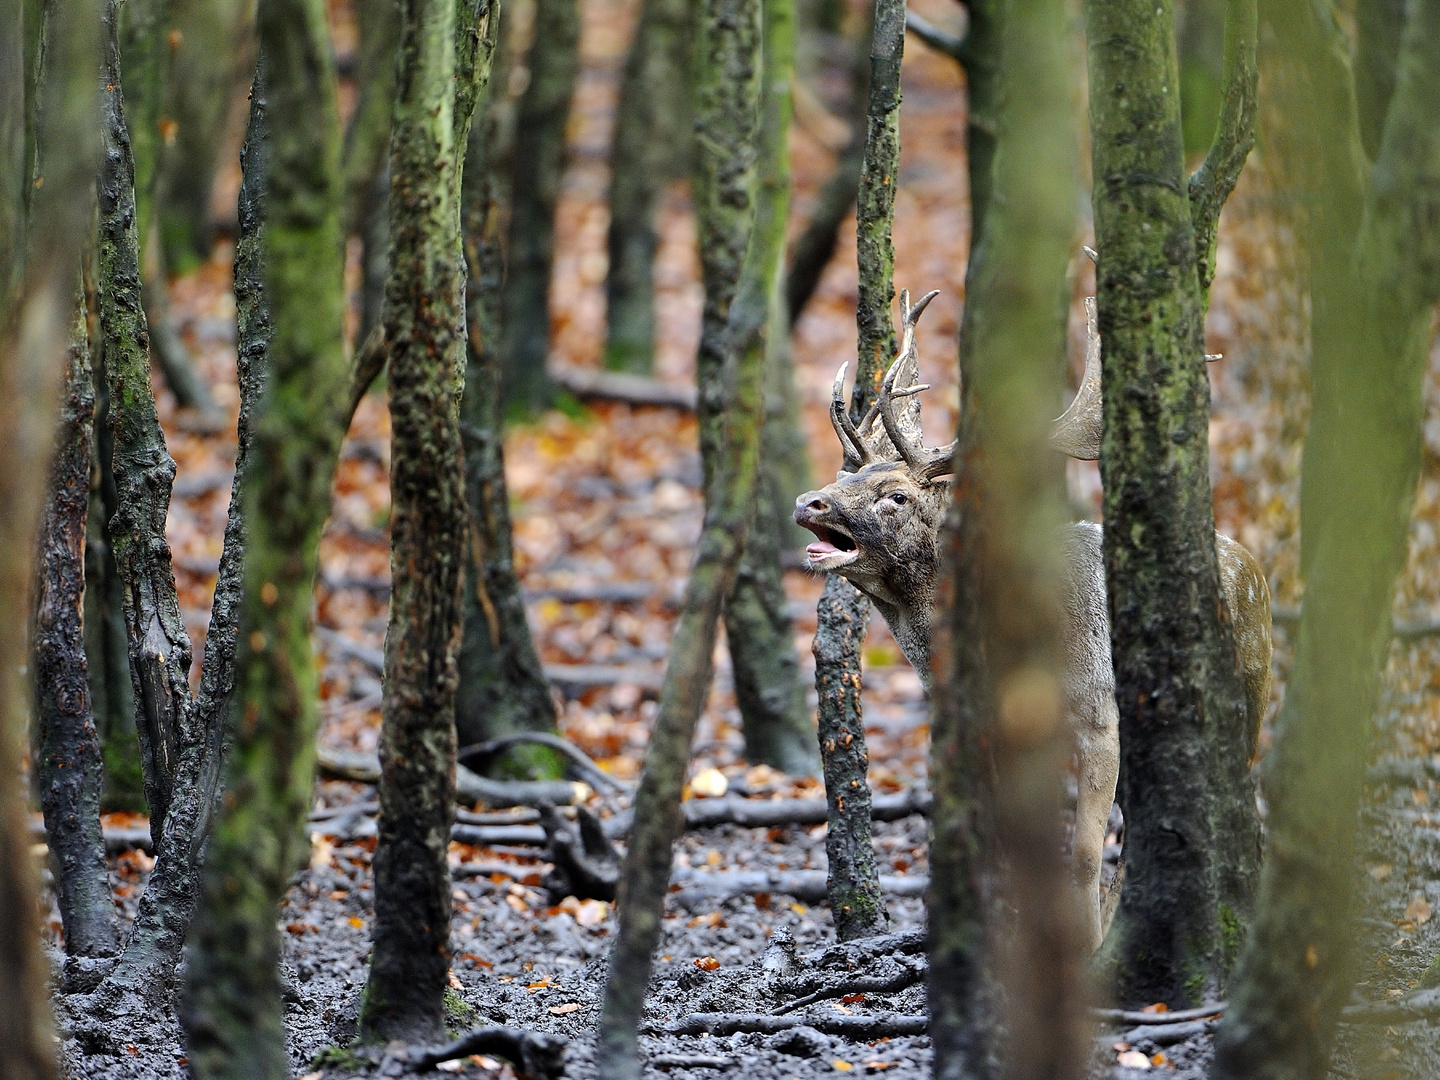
<point x="855" y="448"/>
<point x="1078" y="430"/>
<point x="915" y="455"/>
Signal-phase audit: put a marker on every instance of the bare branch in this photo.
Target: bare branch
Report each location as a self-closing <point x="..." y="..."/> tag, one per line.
<point x="956" y="46"/>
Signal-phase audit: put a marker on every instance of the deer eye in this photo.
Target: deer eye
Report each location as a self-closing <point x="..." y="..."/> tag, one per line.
<point x="898" y="498"/>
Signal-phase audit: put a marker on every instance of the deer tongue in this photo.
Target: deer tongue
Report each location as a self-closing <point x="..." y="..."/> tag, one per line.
<point x="821" y="548"/>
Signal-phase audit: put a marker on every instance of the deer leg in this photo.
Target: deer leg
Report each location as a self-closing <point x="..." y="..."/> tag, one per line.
<point x="1097" y="740"/>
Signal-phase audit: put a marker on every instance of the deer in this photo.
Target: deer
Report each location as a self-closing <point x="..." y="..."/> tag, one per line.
<point x="877" y="525"/>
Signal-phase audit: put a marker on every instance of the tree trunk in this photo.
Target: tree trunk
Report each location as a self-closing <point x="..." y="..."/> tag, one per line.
<point x="962" y="765"/>
<point x="773" y="710"/>
<point x="1192" y="835"/>
<point x="539" y="167"/>
<point x="34" y="328"/>
<point x="159" y="648"/>
<point x="843" y="614"/>
<point x="502" y="687"/>
<point x="727" y="77"/>
<point x="289" y="267"/>
<point x="1005" y="649"/>
<point x="652" y="144"/>
<point x="1378" y="28"/>
<point x="424" y="328"/>
<point x="68" y="758"/>
<point x="367" y="141"/>
<point x="1373" y="286"/>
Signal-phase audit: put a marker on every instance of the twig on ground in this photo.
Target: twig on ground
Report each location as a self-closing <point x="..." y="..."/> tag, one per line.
<point x="1170" y="1034"/>
<point x="365" y="768"/>
<point x="908" y="973"/>
<point x="690" y="1061"/>
<point x="1122" y="1016"/>
<point x="704" y="886"/>
<point x="487" y="750"/>
<point x="533" y="1053"/>
<point x="860" y="1028"/>
<point x="769" y="813"/>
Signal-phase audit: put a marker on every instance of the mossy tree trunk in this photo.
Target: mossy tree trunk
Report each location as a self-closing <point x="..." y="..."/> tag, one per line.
<point x="1373" y="279"/>
<point x="35" y="329"/>
<point x="1000" y="646"/>
<point x="773" y="711"/>
<point x="367" y="142"/>
<point x="68" y="747"/>
<point x="538" y="164"/>
<point x="424" y="323"/>
<point x="844" y="612"/>
<point x="502" y="688"/>
<point x="962" y="764"/>
<point x="651" y="147"/>
<point x="729" y="47"/>
<point x="1192" y="833"/>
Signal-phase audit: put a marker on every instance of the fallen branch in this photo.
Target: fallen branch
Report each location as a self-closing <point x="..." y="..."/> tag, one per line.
<point x="908" y="975"/>
<point x="690" y="1061"/>
<point x="772" y="813"/>
<point x="531" y="1052"/>
<point x="365" y="768"/>
<point x="1122" y="1016"/>
<point x="1170" y="1034"/>
<point x="1421" y="1005"/>
<point x="487" y="750"/>
<point x="859" y="1028"/>
<point x="600" y="385"/>
<point x="702" y="886"/>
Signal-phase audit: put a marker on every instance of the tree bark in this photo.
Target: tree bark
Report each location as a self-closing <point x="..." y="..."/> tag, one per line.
<point x="773" y="711"/>
<point x="728" y="77"/>
<point x="68" y="758"/>
<point x="962" y="765"/>
<point x="425" y="331"/>
<point x="367" y="141"/>
<point x="651" y="147"/>
<point x="1192" y="834"/>
<point x="159" y="647"/>
<point x="502" y="686"/>
<point x="844" y="613"/>
<point x="34" y="329"/>
<point x="539" y="167"/>
<point x="1006" y="580"/>
<point x="1373" y="280"/>
<point x="232" y="1010"/>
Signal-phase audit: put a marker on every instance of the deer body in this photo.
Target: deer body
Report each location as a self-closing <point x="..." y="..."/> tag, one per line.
<point x="878" y="524"/>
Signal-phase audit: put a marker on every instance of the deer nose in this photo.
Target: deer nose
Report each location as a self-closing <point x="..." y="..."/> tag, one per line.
<point x="811" y="504"/>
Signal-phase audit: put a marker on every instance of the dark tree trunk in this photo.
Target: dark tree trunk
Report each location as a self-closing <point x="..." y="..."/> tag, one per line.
<point x="539" y="167"/>
<point x="425" y="333"/>
<point x="68" y="758"/>
<point x="728" y="78"/>
<point x="367" y="142"/>
<point x="1001" y="642"/>
<point x="652" y="144"/>
<point x="1378" y="28"/>
<point x="773" y="710"/>
<point x="961" y="707"/>
<point x="159" y="648"/>
<point x="1183" y="720"/>
<point x="289" y="291"/>
<point x="13" y="173"/>
<point x="34" y="330"/>
<point x="1373" y="283"/>
<point x="843" y="614"/>
<point x="502" y="683"/>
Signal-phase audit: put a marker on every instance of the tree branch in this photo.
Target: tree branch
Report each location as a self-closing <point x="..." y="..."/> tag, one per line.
<point x="956" y="46"/>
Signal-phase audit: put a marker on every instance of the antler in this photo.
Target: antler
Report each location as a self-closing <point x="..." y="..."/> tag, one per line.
<point x="1078" y="430"/>
<point x="926" y="464"/>
<point x="857" y="450"/>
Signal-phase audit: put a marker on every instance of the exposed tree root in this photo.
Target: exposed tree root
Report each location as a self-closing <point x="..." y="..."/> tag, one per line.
<point x="532" y="1053"/>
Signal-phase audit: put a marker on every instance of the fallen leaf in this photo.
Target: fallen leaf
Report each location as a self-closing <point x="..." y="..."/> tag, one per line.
<point x="712" y="858"/>
<point x="799" y="909"/>
<point x="1158" y="1007"/>
<point x="1420" y="796"/>
<point x="707" y="963"/>
<point x="1418" y="910"/>
<point x="456" y="1066"/>
<point x="712" y="921"/>
<point x="568" y="1007"/>
<point x="709" y="784"/>
<point x="538" y="986"/>
<point x="1133" y="1059"/>
<point x="1159" y="1059"/>
<point x="518" y="904"/>
<point x="592" y="912"/>
<point x="762" y="900"/>
<point x="878" y="1066"/>
<point x="843" y="1066"/>
<point x="311" y="1076"/>
<point x="455" y="984"/>
<point x="477" y="961"/>
<point x="851" y="999"/>
<point x="356" y="922"/>
<point x="1380" y="871"/>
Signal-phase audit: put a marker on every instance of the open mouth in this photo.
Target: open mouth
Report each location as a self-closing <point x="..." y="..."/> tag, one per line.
<point x="831" y="548"/>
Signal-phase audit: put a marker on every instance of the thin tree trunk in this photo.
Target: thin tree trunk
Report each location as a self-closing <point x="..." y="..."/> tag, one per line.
<point x="502" y="686"/>
<point x="13" y="173"/>
<point x="1373" y="286"/>
<point x="1006" y="580"/>
<point x="652" y="143"/>
<point x="68" y="758"/>
<point x="425" y="331"/>
<point x="854" y="883"/>
<point x="367" y="143"/>
<point x="291" y="269"/>
<point x="962" y="778"/>
<point x="34" y="329"/>
<point x="728" y="81"/>
<point x="773" y="711"/>
<point x="1192" y="834"/>
<point x="539" y="166"/>
<point x="159" y="647"/>
<point x="1378" y="28"/>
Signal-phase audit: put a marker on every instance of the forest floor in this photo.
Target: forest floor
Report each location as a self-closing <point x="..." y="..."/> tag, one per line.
<point x="607" y="505"/>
